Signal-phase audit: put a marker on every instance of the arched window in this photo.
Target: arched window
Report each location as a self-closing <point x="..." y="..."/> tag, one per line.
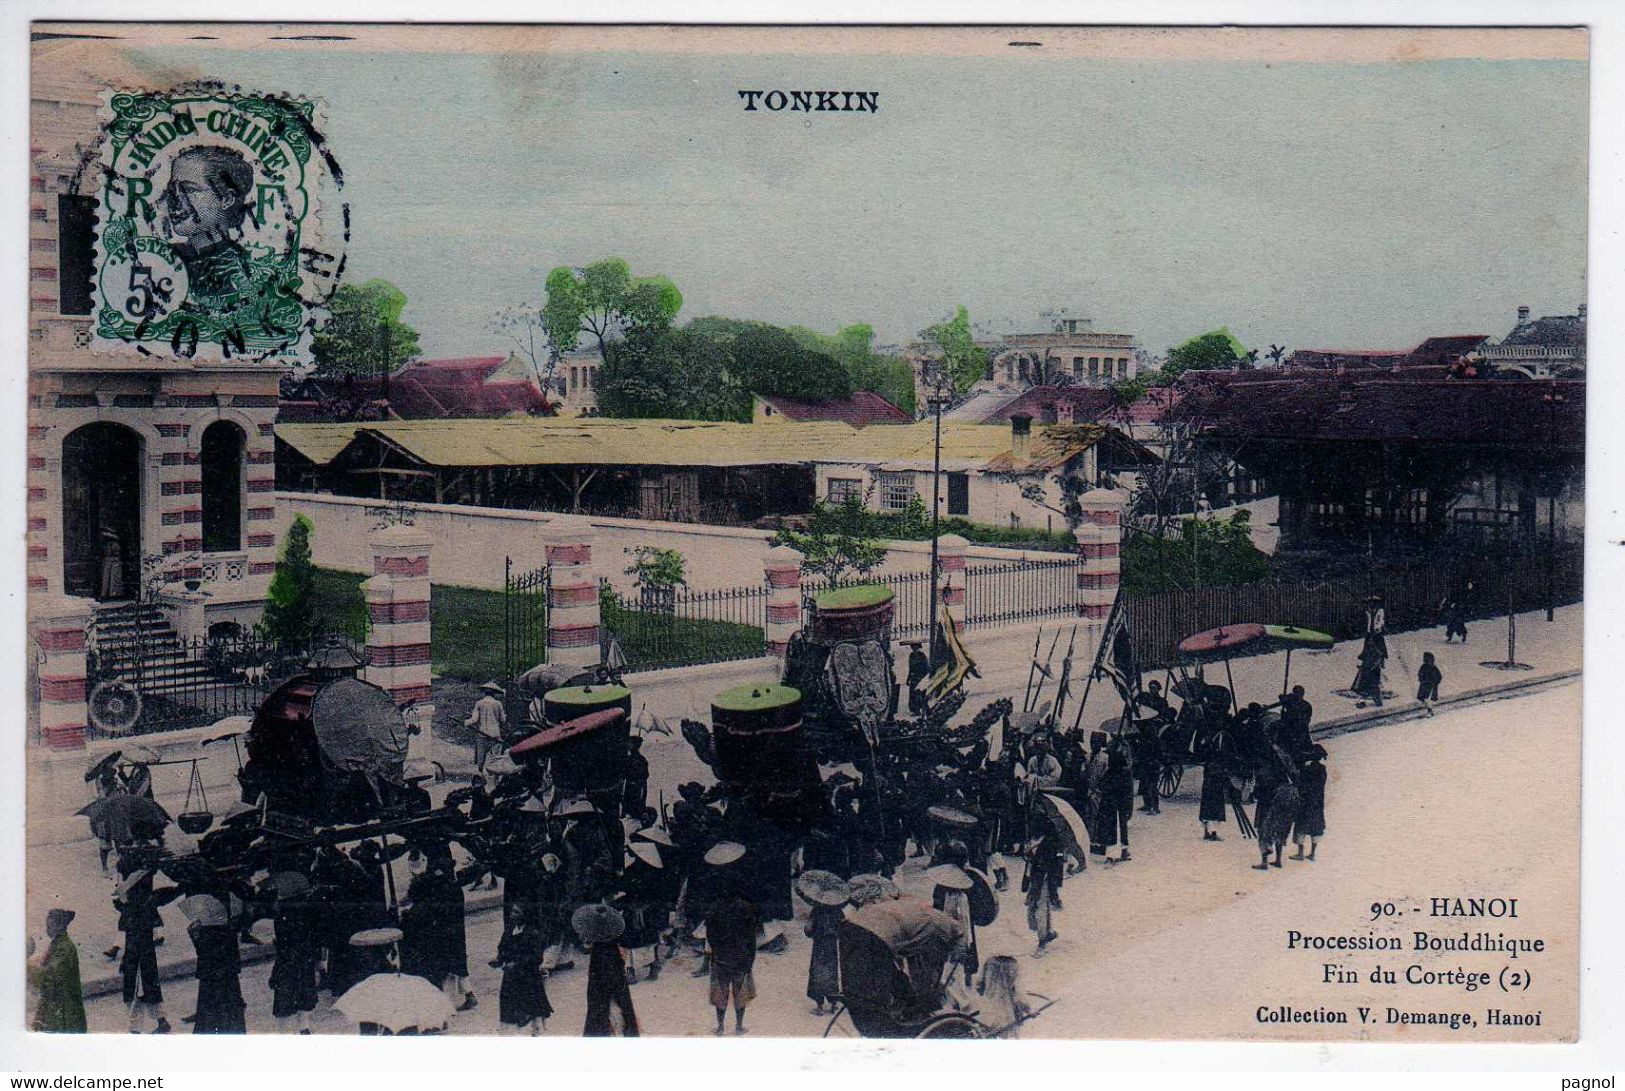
<point x="222" y="487"/>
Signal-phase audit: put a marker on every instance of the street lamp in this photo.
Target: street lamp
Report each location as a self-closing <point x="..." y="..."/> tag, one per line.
<point x="939" y="396"/>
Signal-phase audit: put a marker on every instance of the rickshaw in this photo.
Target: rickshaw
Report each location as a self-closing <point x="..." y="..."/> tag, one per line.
<point x="893" y="955"/>
<point x="1209" y="708"/>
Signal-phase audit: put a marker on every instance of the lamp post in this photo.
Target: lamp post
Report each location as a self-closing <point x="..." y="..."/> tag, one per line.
<point x="937" y="399"/>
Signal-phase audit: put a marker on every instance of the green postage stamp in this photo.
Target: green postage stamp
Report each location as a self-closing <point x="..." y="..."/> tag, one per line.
<point x="210" y="240"/>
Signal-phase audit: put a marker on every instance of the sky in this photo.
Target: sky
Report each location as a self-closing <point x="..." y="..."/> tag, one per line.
<point x="1309" y="204"/>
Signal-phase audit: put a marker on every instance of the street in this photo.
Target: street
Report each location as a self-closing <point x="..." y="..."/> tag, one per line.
<point x="1186" y="940"/>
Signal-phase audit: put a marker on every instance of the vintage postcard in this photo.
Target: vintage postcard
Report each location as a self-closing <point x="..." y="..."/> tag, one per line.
<point x="841" y="532"/>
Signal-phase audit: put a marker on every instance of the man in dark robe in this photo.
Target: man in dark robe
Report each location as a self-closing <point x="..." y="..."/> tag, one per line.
<point x="1292" y="733"/>
<point x="730" y="932"/>
<point x="1311" y="818"/>
<point x="138" y="904"/>
<point x="635" y="792"/>
<point x="219" y="981"/>
<point x="61" y="1007"/>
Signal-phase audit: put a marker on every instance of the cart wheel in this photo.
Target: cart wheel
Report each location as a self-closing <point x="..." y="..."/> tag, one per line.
<point x="1168" y="780"/>
<point x="114" y="707"/>
<point x="951" y="1024"/>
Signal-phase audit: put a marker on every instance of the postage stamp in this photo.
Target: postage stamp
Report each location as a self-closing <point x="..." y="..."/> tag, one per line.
<point x="209" y="240"/>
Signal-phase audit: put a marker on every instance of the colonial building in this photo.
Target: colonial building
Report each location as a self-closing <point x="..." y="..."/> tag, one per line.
<point x="1068" y="351"/>
<point x="143" y="471"/>
<point x="1553" y="346"/>
<point x="859" y="409"/>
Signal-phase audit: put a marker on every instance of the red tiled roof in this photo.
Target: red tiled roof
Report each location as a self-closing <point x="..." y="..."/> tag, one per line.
<point x="863" y="407"/>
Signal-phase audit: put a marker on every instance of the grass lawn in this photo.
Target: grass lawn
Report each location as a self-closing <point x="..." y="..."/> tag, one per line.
<point x="465" y="623"/>
<point x="651" y="640"/>
<point x="466" y="627"/>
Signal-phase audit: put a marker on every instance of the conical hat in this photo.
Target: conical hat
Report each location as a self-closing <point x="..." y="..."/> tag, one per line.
<point x="597" y="923"/>
<point x="723" y="853"/>
<point x="823" y="888"/>
<point x="646" y="852"/>
<point x="204" y="909"/>
<point x="655" y="834"/>
<point x="949" y="876"/>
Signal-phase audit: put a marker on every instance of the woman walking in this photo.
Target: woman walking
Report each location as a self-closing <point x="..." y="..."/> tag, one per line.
<point x="523" y="1002"/>
<point x="219" y="966"/>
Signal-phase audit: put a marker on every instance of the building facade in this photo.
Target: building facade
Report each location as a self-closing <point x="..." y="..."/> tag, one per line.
<point x="144" y="473"/>
<point x="1553" y="346"/>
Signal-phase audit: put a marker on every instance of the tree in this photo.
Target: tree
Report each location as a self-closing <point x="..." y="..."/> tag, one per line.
<point x="657" y="371"/>
<point x="1206" y="553"/>
<point x="853" y="347"/>
<point x="1215" y="351"/>
<point x="605" y="300"/>
<point x="837" y="542"/>
<point x="522" y="325"/>
<point x="290" y="610"/>
<point x="363" y="335"/>
<point x="965" y="359"/>
<point x="764" y="359"/>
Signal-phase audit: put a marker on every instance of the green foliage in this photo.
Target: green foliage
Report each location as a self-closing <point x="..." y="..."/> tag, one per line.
<point x="763" y="359"/>
<point x="462" y="621"/>
<point x="1208" y="553"/>
<point x="363" y="334"/>
<point x="602" y="299"/>
<point x="853" y="346"/>
<point x="1215" y="351"/>
<point x="653" y="568"/>
<point x="658" y="371"/>
<point x="290" y="608"/>
<point x="966" y="360"/>
<point x="839" y="541"/>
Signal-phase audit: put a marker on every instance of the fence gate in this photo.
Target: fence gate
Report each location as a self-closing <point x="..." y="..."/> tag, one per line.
<point x="524" y="618"/>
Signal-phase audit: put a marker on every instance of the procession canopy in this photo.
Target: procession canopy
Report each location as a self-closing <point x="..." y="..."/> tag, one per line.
<point x="318" y="745"/>
<point x="586" y="738"/>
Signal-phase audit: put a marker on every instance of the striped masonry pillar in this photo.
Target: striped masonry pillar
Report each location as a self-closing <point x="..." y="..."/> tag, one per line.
<point x="59" y="625"/>
<point x="1099" y="537"/>
<point x="951" y="561"/>
<point x="398" y="611"/>
<point x="573" y="615"/>
<point x="783" y="568"/>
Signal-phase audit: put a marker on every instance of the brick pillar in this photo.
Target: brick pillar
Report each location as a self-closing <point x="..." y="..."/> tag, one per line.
<point x="951" y="561"/>
<point x="783" y="568"/>
<point x="398" y="610"/>
<point x="1100" y="537"/>
<point x="572" y="594"/>
<point x="59" y="625"/>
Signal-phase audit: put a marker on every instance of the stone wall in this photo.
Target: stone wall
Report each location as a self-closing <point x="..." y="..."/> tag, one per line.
<point x="470" y="543"/>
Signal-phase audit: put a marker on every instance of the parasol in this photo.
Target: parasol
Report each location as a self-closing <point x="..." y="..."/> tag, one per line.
<point x="984" y="906"/>
<point x="123" y="817"/>
<point x="1067" y="822"/>
<point x="597" y="923"/>
<point x="99" y="767"/>
<point x="397" y="1002"/>
<point x="950" y="876"/>
<point x="823" y="888"/>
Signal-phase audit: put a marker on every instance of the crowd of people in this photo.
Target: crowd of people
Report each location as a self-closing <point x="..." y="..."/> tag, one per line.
<point x="712" y="873"/>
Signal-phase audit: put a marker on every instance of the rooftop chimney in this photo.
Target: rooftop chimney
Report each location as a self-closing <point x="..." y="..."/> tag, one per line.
<point x="1065" y="412"/>
<point x="1523" y="315"/>
<point x="1021" y="437"/>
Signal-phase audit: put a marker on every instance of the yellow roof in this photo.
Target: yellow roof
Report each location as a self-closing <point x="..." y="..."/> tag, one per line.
<point x="320" y="443"/>
<point x="599" y="441"/>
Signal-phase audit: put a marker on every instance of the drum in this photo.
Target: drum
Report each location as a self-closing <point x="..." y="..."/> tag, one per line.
<point x="853" y="613"/>
<point x="592" y="760"/>
<point x="756" y="732"/>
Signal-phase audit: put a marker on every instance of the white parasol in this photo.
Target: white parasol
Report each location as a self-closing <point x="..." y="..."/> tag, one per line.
<point x="397" y="1002"/>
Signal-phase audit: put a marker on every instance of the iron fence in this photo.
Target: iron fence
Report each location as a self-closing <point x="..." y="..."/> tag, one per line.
<point x="677" y="627"/>
<point x="998" y="594"/>
<point x="164" y="682"/>
<point x="524" y="618"/>
<point x="1413" y="596"/>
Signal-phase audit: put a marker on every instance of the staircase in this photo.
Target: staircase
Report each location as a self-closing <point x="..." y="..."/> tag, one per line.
<point x="135" y="643"/>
